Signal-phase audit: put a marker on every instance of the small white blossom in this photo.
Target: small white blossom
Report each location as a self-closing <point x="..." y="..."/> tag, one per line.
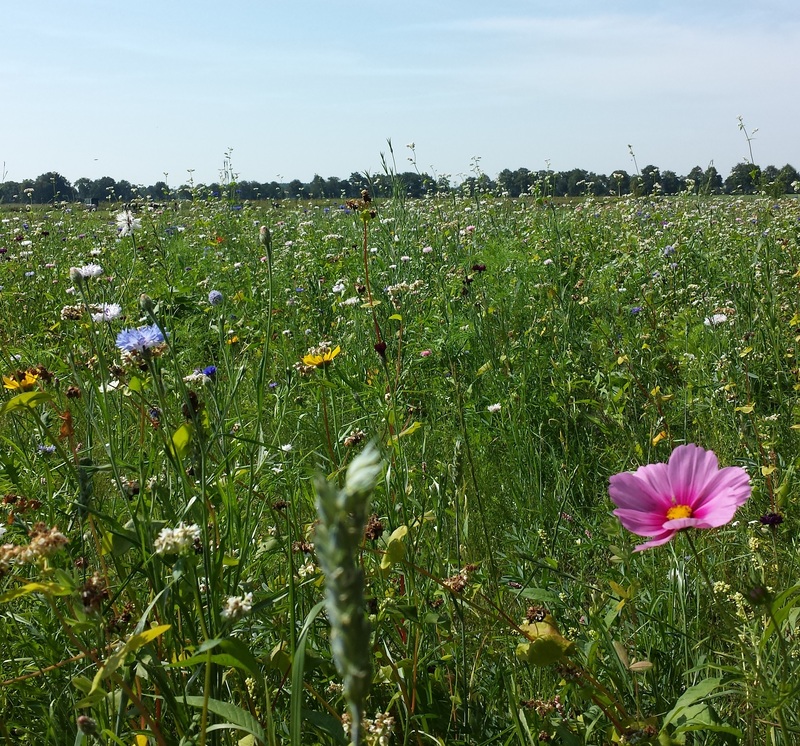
<point x="127" y="223"/>
<point x="106" y="312"/>
<point x="716" y="319"/>
<point x="494" y="408"/>
<point x="177" y="540"/>
<point x="237" y="606"/>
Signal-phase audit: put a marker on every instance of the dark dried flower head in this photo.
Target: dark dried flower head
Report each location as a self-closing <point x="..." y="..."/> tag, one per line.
<point x="771" y="519"/>
<point x="93" y="593"/>
<point x="536" y="614"/>
<point x="374" y="528"/>
<point x="73" y="392"/>
<point x="457" y="583"/>
<point x="355" y="437"/>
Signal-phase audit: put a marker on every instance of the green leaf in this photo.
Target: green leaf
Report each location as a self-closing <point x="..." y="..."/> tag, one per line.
<point x="395" y="548"/>
<point x="412" y="428"/>
<point x="236" y="716"/>
<point x="692" y="695"/>
<point x="296" y="699"/>
<point x="28" y="400"/>
<point x="182" y="441"/>
<point x="133" y="643"/>
<point x="49" y="589"/>
<point x="233" y="654"/>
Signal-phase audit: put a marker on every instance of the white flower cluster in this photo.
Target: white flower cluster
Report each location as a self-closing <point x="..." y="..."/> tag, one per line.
<point x="44" y="543"/>
<point x="177" y="540"/>
<point x="377" y="732"/>
<point x="237" y="606"/>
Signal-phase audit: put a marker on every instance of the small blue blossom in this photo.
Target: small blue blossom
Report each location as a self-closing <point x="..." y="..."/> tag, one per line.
<point x="668" y="250"/>
<point x="210" y="371"/>
<point x="636" y="309"/>
<point x="45" y="450"/>
<point x="140" y="339"/>
<point x="215" y="298"/>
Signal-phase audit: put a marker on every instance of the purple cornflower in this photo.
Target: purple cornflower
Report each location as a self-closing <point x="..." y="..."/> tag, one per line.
<point x="215" y="298"/>
<point x="636" y="309"/>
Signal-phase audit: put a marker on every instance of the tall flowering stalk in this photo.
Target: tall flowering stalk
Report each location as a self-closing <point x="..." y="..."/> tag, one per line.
<point x="343" y="515"/>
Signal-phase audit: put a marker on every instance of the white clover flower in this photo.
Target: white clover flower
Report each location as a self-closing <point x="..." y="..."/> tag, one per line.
<point x="237" y="606"/>
<point x="177" y="540"/>
<point x="494" y="408"/>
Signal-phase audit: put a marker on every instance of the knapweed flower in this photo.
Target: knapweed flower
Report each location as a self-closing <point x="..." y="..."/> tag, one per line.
<point x="215" y="298"/>
<point x="140" y="339"/>
<point x="690" y="491"/>
<point x="321" y="355"/>
<point x="85" y="272"/>
<point x="105" y="312"/>
<point x="127" y="223"/>
<point x="21" y="380"/>
<point x="179" y="540"/>
<point x="139" y="346"/>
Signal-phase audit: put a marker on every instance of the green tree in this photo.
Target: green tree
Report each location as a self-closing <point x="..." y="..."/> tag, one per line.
<point x="744" y="178"/>
<point x="52" y="187"/>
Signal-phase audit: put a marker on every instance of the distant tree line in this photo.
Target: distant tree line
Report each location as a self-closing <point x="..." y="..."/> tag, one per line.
<point x="744" y="178"/>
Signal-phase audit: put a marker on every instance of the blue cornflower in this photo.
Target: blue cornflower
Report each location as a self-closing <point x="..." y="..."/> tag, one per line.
<point x="636" y="309"/>
<point x="210" y="371"/>
<point x="45" y="449"/>
<point x="215" y="298"/>
<point x="140" y="339"/>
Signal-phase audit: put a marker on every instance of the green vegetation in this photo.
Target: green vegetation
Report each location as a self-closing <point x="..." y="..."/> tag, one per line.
<point x="184" y="383"/>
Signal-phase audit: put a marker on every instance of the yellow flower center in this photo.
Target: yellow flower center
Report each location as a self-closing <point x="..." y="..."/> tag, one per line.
<point x="679" y="511"/>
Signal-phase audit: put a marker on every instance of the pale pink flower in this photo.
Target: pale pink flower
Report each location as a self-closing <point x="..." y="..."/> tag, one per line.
<point x="690" y="491"/>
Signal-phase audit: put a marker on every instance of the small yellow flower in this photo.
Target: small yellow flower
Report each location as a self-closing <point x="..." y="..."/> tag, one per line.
<point x="20" y="380"/>
<point x="321" y="356"/>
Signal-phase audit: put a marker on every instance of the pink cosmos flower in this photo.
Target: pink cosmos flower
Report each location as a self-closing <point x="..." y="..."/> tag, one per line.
<point x="690" y="491"/>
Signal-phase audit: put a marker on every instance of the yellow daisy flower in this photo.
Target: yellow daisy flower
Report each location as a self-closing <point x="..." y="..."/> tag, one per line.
<point x="321" y="356"/>
<point x="20" y="380"/>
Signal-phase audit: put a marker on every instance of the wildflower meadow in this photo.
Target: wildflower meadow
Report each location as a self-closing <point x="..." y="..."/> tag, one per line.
<point x="466" y="469"/>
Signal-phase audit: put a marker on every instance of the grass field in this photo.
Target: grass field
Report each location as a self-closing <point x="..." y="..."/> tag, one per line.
<point x="183" y="385"/>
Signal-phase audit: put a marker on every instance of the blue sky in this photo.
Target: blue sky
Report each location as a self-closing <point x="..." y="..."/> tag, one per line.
<point x="134" y="90"/>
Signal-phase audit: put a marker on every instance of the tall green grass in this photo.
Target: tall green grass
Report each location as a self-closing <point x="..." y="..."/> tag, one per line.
<point x="532" y="350"/>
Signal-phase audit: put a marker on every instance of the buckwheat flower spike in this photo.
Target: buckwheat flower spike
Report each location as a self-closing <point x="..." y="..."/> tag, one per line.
<point x="689" y="491"/>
